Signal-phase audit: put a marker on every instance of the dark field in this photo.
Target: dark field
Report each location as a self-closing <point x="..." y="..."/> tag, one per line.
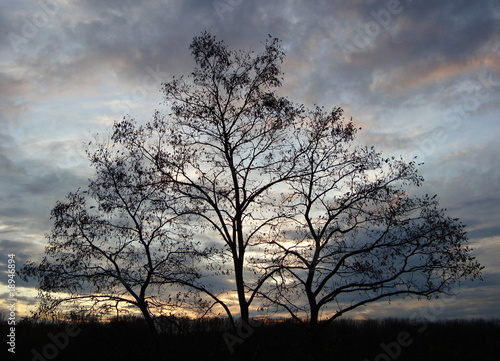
<point x="380" y="340"/>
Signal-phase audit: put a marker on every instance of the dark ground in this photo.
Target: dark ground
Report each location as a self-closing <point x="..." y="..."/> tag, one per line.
<point x="380" y="340"/>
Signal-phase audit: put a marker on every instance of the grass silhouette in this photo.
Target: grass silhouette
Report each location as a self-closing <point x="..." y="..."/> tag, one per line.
<point x="345" y="339"/>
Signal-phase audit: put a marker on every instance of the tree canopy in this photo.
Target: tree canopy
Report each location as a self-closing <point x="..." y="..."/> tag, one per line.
<point x="290" y="211"/>
<point x="116" y="243"/>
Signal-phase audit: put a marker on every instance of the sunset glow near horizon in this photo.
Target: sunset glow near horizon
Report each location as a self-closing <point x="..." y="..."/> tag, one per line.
<point x="420" y="78"/>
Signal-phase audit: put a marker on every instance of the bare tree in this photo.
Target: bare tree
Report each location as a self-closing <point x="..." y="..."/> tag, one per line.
<point x="359" y="233"/>
<point x="224" y="149"/>
<point x="117" y="243"/>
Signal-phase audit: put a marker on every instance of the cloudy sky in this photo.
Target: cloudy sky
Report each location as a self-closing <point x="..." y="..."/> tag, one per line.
<point x="422" y="78"/>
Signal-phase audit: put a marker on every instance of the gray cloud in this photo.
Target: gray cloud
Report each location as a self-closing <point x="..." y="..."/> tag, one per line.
<point x="92" y="63"/>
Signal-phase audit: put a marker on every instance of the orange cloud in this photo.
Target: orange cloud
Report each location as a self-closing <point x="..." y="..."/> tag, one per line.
<point x="427" y="73"/>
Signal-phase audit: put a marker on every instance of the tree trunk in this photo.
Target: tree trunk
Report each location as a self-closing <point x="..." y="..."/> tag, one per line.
<point x="240" y="287"/>
<point x="148" y="319"/>
<point x="314" y="309"/>
<point x="313" y="322"/>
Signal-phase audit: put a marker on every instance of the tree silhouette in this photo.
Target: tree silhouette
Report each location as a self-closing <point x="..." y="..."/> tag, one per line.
<point x="224" y="148"/>
<point x="116" y="243"/>
<point x="288" y="208"/>
<point x="358" y="234"/>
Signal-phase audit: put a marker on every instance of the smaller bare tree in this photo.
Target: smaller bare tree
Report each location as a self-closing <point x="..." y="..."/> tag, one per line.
<point x="358" y="234"/>
<point x="117" y="243"/>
